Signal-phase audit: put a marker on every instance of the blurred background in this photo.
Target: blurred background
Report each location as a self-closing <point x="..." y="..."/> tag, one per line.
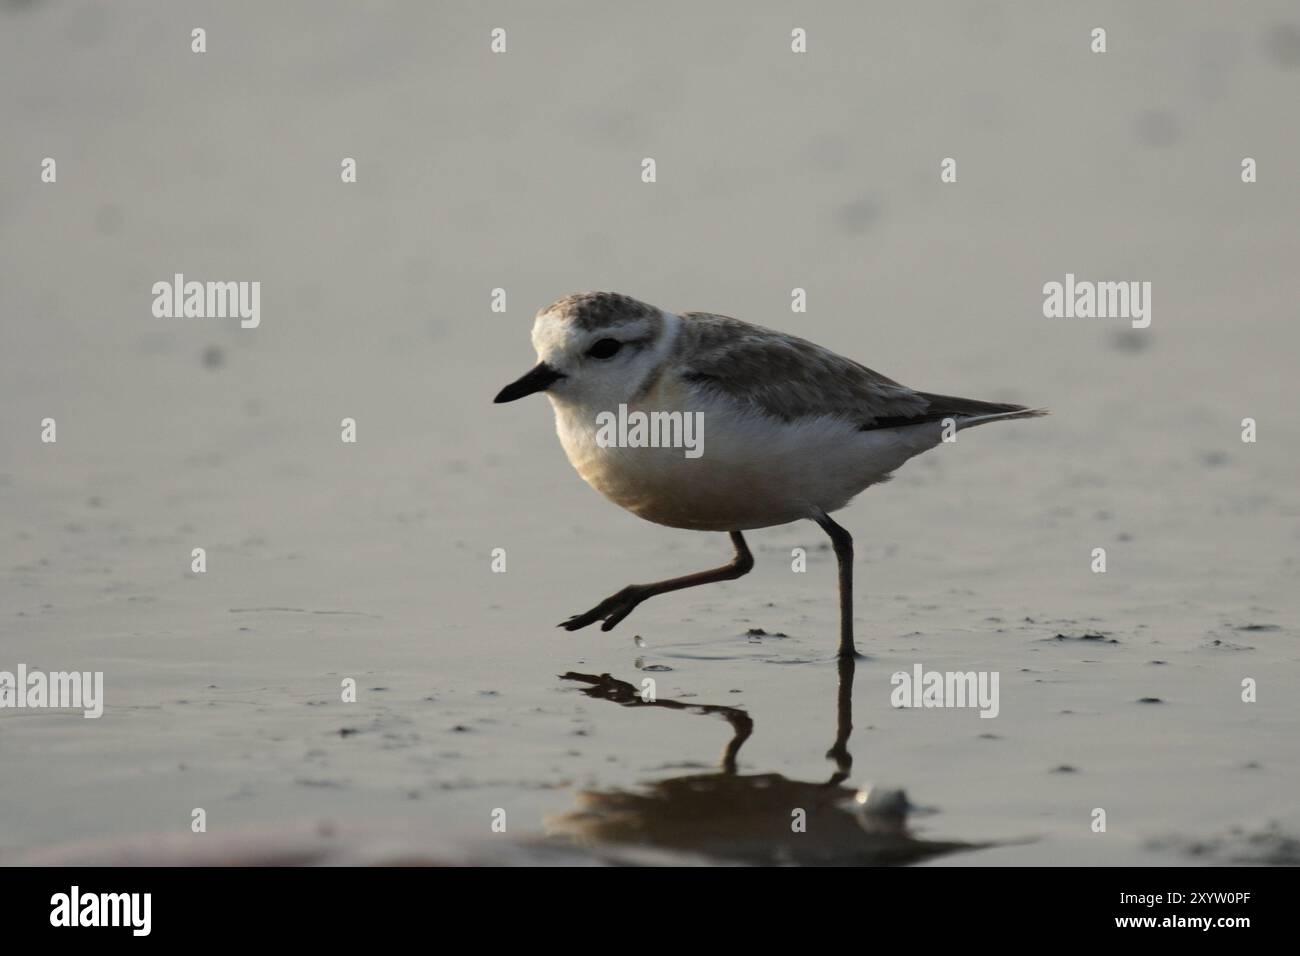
<point x="522" y="171"/>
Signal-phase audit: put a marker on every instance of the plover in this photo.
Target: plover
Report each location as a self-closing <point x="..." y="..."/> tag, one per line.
<point x="792" y="430"/>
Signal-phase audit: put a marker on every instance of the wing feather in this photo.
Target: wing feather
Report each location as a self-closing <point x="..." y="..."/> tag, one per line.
<point x="791" y="378"/>
<point x="787" y="377"/>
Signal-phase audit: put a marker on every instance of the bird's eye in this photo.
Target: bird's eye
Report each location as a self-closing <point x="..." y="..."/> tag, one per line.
<point x="605" y="348"/>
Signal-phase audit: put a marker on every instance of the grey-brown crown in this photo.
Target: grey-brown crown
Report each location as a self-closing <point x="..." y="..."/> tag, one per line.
<point x="600" y="310"/>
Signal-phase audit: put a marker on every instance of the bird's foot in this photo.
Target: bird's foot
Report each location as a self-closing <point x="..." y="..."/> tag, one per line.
<point x="611" y="610"/>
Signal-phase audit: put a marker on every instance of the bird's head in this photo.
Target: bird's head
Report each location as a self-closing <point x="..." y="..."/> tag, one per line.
<point x="594" y="349"/>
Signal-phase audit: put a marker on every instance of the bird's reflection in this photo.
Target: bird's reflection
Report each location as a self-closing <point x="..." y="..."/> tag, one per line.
<point x="749" y="818"/>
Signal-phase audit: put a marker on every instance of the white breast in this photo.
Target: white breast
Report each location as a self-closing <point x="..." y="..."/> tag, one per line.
<point x="754" y="471"/>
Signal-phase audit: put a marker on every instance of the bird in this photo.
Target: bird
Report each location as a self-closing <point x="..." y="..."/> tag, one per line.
<point x="787" y="429"/>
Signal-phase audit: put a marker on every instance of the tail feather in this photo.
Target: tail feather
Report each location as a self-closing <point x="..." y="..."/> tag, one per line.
<point x="970" y="412"/>
<point x="1016" y="411"/>
<point x="967" y="412"/>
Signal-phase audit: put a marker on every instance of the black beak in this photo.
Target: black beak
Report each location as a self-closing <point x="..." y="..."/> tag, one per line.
<point x="538" y="379"/>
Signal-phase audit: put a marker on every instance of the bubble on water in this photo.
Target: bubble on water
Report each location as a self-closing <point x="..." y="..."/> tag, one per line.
<point x="882" y="800"/>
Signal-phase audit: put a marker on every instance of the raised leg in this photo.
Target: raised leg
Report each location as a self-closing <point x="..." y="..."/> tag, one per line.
<point x="843" y="543"/>
<point x="618" y="606"/>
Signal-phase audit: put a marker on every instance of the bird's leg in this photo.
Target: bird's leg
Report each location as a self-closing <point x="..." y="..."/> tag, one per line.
<point x="843" y="543"/>
<point x="618" y="606"/>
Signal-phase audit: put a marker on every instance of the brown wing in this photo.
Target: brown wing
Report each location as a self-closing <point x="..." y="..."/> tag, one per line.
<point x="790" y="378"/>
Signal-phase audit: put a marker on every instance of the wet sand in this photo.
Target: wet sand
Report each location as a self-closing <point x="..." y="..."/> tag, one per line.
<point x="374" y="560"/>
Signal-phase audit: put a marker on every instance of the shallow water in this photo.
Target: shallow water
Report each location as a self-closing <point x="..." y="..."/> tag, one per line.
<point x="373" y="561"/>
